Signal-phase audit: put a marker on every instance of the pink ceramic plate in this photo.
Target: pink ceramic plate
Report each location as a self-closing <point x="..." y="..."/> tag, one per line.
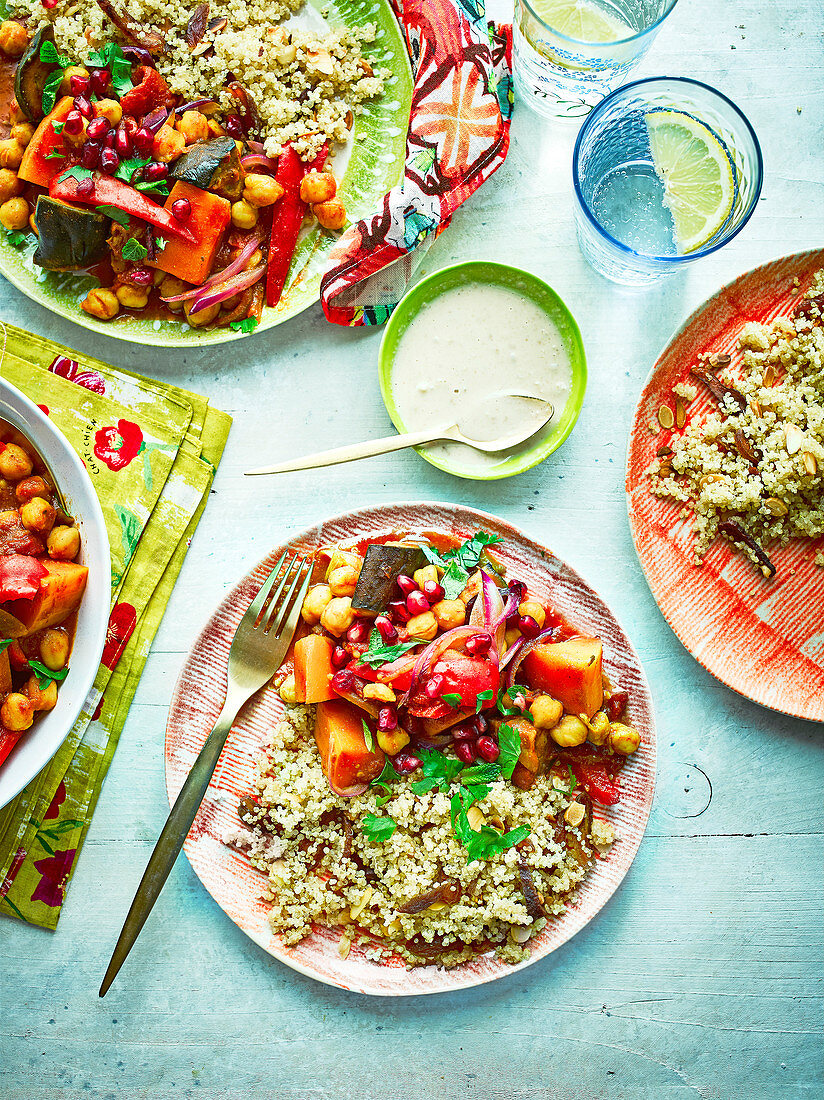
<point x="238" y="888"/>
<point x="762" y="638"/>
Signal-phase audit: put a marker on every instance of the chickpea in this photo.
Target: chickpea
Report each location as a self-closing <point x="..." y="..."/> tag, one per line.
<point x="100" y="303"/>
<point x="63" y="543"/>
<point x="38" y="515"/>
<point x="511" y="637"/>
<point x="169" y="287"/>
<point x="343" y="581"/>
<point x="203" y="316"/>
<point x="41" y="698"/>
<point x="194" y="126"/>
<point x="15" y="113"/>
<point x="449" y="614"/>
<point x="392" y="742"/>
<point x="260" y="190"/>
<point x="17" y="713"/>
<point x="111" y="110"/>
<point x="255" y="260"/>
<point x="15" y="463"/>
<point x="215" y="129"/>
<point x="427" y="573"/>
<point x="340" y="557"/>
<point x="54" y="648"/>
<point x="569" y="732"/>
<point x="316" y="600"/>
<point x="598" y="728"/>
<point x="11" y="153"/>
<point x="14" y="214"/>
<point x="623" y="739"/>
<point x="288" y="690"/>
<point x="546" y="712"/>
<point x="13" y="38"/>
<point x="132" y="296"/>
<point x="10" y="185"/>
<point x="168" y="144"/>
<point x="331" y="215"/>
<point x="244" y="215"/>
<point x="535" y="611"/>
<point x="423" y="626"/>
<point x="382" y="693"/>
<point x="338" y="615"/>
<point x="318" y="187"/>
<point x="22" y="132"/>
<point x="66" y="83"/>
<point x="31" y="487"/>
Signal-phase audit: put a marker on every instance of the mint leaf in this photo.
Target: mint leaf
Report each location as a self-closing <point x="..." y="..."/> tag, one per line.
<point x="58" y="127"/>
<point x="367" y="736"/>
<point x="46" y="675"/>
<point x="153" y="187"/>
<point x="4" y="644"/>
<point x="76" y="172"/>
<point x="481" y="773"/>
<point x="379" y="653"/>
<point x="134" y="250"/>
<point x="50" y="56"/>
<point x="377" y="829"/>
<point x="509" y="742"/>
<point x="453" y="699"/>
<point x="119" y="216"/>
<point x="481" y="698"/>
<point x="50" y="90"/>
<point x="248" y="324"/>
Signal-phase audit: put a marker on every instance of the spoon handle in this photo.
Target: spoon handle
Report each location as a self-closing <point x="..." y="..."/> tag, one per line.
<point x="355" y="451"/>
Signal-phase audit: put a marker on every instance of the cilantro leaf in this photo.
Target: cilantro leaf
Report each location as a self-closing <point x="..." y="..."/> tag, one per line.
<point x="119" y="216"/>
<point x="46" y="675"/>
<point x="248" y="324"/>
<point x="134" y="250"/>
<point x="379" y="653"/>
<point x="50" y="90"/>
<point x="16" y="239"/>
<point x="485" y="842"/>
<point x="160" y="243"/>
<point x="458" y="563"/>
<point x="509" y="743"/>
<point x="55" y="154"/>
<point x="513" y="693"/>
<point x="387" y="777"/>
<point x="453" y="699"/>
<point x="438" y="771"/>
<point x="111" y="57"/>
<point x="76" y="172"/>
<point x="367" y="736"/>
<point x="377" y="829"/>
<point x="382" y="799"/>
<point x="50" y="56"/>
<point x="127" y="168"/>
<point x="481" y="698"/>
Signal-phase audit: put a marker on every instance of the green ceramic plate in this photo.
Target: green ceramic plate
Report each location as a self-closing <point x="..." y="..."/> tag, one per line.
<point x="375" y="165"/>
<point x="513" y="278"/>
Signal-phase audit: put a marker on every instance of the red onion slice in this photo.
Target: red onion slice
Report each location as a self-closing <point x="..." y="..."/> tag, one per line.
<point x="513" y="651"/>
<point x="428" y="657"/>
<point x="219" y="293"/>
<point x="259" y="160"/>
<point x="350" y="792"/>
<point x="195" y="105"/>
<point x="524" y="652"/>
<point x="220" y="276"/>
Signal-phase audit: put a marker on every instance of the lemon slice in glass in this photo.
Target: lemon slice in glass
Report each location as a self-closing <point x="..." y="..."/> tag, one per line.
<point x="582" y="20"/>
<point x="696" y="170"/>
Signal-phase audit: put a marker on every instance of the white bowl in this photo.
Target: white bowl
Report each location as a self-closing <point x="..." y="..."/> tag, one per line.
<point x="36" y="747"/>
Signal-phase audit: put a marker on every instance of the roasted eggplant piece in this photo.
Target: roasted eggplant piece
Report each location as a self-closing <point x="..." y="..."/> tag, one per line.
<point x="211" y="166"/>
<point x="381" y="567"/>
<point x="30" y="78"/>
<point x="69" y="237"/>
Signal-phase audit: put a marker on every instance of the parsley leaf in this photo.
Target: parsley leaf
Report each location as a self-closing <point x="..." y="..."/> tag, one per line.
<point x="387" y="777"/>
<point x="119" y="216"/>
<point x="160" y="243"/>
<point x="127" y="168"/>
<point x="382" y="799"/>
<point x="377" y="829"/>
<point x="55" y="154"/>
<point x="379" y="653"/>
<point x="453" y="699"/>
<point x="486" y="842"/>
<point x="46" y="675"/>
<point x="134" y="250"/>
<point x="248" y="324"/>
<point x="16" y="239"/>
<point x="481" y="698"/>
<point x="460" y="562"/>
<point x="111" y="57"/>
<point x="50" y="90"/>
<point x="509" y="743"/>
<point x="367" y="736"/>
<point x="438" y="771"/>
<point x="76" y="172"/>
<point x="50" y="56"/>
<point x="513" y="693"/>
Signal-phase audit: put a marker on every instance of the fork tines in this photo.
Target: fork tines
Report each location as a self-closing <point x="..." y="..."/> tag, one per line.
<point x="273" y="609"/>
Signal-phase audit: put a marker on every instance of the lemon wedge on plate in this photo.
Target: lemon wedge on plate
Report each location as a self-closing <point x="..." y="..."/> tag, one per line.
<point x="696" y="170"/>
<point x="581" y="19"/>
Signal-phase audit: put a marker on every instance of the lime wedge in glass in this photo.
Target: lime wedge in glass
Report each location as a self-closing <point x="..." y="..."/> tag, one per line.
<point x="697" y="173"/>
<point x="582" y="20"/>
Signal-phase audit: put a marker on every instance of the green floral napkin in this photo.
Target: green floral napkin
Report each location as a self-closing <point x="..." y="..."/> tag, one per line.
<point x="151" y="450"/>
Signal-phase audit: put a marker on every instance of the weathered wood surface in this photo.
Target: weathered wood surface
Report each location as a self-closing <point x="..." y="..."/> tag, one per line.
<point x="703" y="976"/>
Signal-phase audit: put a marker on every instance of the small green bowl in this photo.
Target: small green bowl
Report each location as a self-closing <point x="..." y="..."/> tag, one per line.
<point x="512" y="278"/>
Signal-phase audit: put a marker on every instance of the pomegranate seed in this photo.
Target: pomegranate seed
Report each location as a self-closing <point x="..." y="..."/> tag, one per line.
<point x="397" y="609"/>
<point x="233" y="127"/>
<point x="84" y="105"/>
<point x="387" y="719"/>
<point x="616" y="705"/>
<point x="100" y="81"/>
<point x="433" y="591"/>
<point x="155" y="171"/>
<point x="384" y="627"/>
<point x="85" y="187"/>
<point x="340" y="655"/>
<point x="518" y="589"/>
<point x="417" y="603"/>
<point x="182" y="210"/>
<point x="480" y="724"/>
<point x="79" y="85"/>
<point x="358" y="631"/>
<point x="478" y="645"/>
<point x="123" y="145"/>
<point x="140" y="276"/>
<point x="343" y="680"/>
<point x="465" y="751"/>
<point x="98" y="128"/>
<point x="90" y="154"/>
<point x="464" y="732"/>
<point x="433" y="687"/>
<point x="73" y="124"/>
<point x="109" y="162"/>
<point x="406" y="584"/>
<point x="109" y="140"/>
<point x="487" y="749"/>
<point x="528" y="626"/>
<point x="404" y="763"/>
<point x="143" y="140"/>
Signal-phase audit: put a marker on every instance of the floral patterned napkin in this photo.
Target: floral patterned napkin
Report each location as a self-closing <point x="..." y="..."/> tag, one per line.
<point x="151" y="450"/>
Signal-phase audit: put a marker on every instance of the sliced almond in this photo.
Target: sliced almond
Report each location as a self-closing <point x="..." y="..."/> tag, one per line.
<point x="770" y="375"/>
<point x="810" y="464"/>
<point x="794" y="437"/>
<point x="436" y="906"/>
<point x="344" y="946"/>
<point x="476" y="818"/>
<point x="776" y="507"/>
<point x="718" y="359"/>
<point x="708" y="479"/>
<point x="665" y="417"/>
<point x="664" y="451"/>
<point x="755" y="408"/>
<point x="519" y="933"/>
<point x="356" y="910"/>
<point x="680" y="413"/>
<point x="575" y="814"/>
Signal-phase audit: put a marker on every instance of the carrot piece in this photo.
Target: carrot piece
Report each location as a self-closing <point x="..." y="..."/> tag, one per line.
<point x="61" y="591"/>
<point x="37" y="166"/>
<point x="313" y="669"/>
<point x="347" y="762"/>
<point x="570" y="671"/>
<point x="209" y="221"/>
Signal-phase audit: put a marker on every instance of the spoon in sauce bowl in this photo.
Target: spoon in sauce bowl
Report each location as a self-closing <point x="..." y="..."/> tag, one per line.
<point x="476" y="419"/>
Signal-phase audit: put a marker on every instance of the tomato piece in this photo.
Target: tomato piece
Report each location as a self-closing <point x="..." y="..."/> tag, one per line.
<point x="15" y="538"/>
<point x="20" y="577"/>
<point x="8" y="739"/>
<point x="150" y="91"/>
<point x="602" y="786"/>
<point x="468" y="677"/>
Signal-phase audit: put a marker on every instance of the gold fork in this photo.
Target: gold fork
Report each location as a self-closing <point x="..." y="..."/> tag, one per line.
<point x="257" y="652"/>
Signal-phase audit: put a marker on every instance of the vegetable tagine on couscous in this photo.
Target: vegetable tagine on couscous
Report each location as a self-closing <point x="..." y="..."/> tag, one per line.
<point x="431" y="787"/>
<point x="174" y="152"/>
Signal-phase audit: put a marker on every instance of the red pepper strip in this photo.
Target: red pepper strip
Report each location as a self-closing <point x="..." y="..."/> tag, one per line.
<point x="288" y="218"/>
<point x="8" y="739"/>
<point x="601" y="785"/>
<point x="20" y="577"/>
<point x="108" y="191"/>
<point x="150" y="91"/>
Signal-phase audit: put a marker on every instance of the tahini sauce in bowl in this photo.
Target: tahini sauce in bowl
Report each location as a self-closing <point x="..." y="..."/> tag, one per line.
<point x="464" y="348"/>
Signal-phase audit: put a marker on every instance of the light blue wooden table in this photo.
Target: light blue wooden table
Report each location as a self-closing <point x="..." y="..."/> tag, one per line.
<point x="703" y="976"/>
